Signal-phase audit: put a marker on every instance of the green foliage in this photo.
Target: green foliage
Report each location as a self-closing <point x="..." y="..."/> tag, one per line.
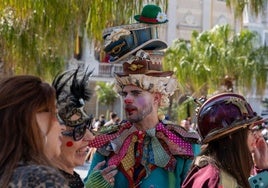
<point x="37" y="37"/>
<point x="114" y="13"/>
<point x="238" y="6"/>
<point x="105" y="93"/>
<point x="186" y="109"/>
<point x="202" y="64"/>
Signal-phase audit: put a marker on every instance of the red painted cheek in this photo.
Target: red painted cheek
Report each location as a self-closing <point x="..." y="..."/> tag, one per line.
<point x="69" y="144"/>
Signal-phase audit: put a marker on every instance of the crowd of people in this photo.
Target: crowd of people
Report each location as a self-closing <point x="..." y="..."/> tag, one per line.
<point x="46" y="131"/>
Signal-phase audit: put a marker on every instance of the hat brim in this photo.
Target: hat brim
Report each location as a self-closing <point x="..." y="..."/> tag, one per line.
<point x="130" y="27"/>
<point x="137" y="18"/>
<point x="153" y="44"/>
<point x="150" y="73"/>
<point x="222" y="133"/>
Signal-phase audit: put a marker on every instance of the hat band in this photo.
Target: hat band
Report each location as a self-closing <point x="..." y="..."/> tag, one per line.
<point x="130" y="27"/>
<point x="148" y="20"/>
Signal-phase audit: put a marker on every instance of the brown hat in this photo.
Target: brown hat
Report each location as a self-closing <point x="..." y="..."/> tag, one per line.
<point x="142" y="64"/>
<point x="142" y="72"/>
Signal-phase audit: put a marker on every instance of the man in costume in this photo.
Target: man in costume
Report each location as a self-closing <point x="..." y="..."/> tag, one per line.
<point x="147" y="151"/>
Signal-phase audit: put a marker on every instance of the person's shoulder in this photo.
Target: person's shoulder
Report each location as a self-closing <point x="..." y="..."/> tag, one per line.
<point x="37" y="168"/>
<point x="38" y="175"/>
<point x="114" y="128"/>
<point x="108" y="123"/>
<point x="203" y="174"/>
<point x="192" y="137"/>
<point x="108" y="129"/>
<point x="106" y="135"/>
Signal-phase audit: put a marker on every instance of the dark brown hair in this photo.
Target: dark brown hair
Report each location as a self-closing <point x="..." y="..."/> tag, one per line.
<point x="21" y="140"/>
<point x="232" y="155"/>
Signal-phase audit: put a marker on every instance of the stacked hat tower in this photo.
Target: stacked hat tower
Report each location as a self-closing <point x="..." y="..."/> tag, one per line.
<point x="124" y="42"/>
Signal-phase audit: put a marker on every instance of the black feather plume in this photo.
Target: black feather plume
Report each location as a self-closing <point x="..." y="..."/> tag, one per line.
<point x="59" y="84"/>
<point x="79" y="88"/>
<point x="74" y="85"/>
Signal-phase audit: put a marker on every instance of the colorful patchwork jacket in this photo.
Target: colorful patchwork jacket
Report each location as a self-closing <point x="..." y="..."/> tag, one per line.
<point x="158" y="157"/>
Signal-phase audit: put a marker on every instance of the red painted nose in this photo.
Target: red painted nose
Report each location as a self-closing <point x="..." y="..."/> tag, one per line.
<point x="128" y="101"/>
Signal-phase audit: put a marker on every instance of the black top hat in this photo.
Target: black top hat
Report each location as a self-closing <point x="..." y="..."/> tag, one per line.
<point x="122" y="41"/>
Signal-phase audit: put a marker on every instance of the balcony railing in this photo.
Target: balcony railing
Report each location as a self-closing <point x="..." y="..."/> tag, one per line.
<point x="102" y="71"/>
<point x="108" y="69"/>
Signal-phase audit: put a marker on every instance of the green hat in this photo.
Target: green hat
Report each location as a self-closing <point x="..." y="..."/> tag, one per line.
<point x="151" y="14"/>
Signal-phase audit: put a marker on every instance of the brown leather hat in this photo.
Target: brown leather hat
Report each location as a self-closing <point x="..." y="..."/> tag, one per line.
<point x="146" y="73"/>
<point x="142" y="64"/>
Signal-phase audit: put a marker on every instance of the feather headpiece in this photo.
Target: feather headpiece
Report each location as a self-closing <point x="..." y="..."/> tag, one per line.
<point x="71" y="92"/>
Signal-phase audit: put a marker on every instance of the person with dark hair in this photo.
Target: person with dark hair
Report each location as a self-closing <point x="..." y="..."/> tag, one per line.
<point x="99" y="123"/>
<point x="185" y="123"/>
<point x="230" y="132"/>
<point x="72" y="93"/>
<point x="113" y="119"/>
<point x="147" y="151"/>
<point x="30" y="135"/>
<point x="102" y="120"/>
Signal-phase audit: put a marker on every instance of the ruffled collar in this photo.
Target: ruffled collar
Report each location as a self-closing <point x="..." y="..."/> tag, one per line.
<point x="160" y="145"/>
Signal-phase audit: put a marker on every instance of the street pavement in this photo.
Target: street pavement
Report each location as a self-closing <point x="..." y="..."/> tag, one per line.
<point x="82" y="170"/>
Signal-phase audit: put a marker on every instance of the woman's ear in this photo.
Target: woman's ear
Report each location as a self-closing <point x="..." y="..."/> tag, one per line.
<point x="42" y="120"/>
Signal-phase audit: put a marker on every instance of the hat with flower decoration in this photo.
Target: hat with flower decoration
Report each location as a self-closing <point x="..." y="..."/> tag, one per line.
<point x="151" y="14"/>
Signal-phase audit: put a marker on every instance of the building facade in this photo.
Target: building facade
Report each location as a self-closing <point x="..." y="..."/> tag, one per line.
<point x="184" y="17"/>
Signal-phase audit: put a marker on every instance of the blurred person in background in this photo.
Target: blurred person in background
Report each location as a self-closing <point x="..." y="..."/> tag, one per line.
<point x="99" y="123"/>
<point x="113" y="119"/>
